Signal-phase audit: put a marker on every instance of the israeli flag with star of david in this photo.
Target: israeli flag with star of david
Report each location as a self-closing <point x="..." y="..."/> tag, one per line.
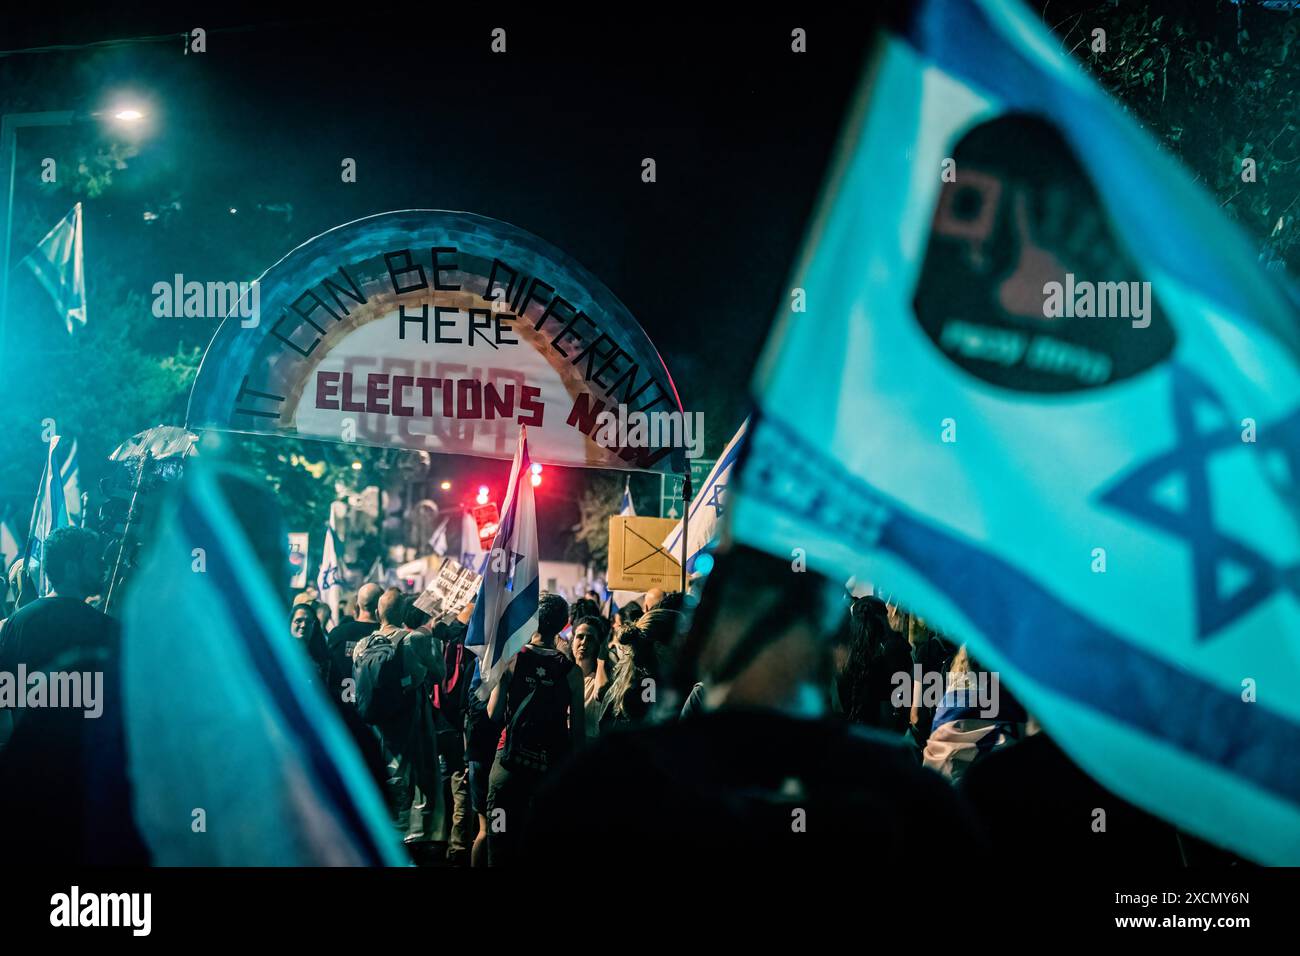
<point x="505" y="610"/>
<point x="330" y="577"/>
<point x="1093" y="481"/>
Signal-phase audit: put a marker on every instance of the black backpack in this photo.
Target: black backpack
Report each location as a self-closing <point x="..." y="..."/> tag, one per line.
<point x="536" y="734"/>
<point x="381" y="685"/>
<point x="451" y="693"/>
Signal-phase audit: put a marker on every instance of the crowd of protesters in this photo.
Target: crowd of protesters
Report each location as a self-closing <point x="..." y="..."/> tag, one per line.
<point x="590" y="739"/>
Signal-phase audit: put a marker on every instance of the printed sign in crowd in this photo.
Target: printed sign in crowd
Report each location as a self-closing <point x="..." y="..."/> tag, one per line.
<point x="452" y="588"/>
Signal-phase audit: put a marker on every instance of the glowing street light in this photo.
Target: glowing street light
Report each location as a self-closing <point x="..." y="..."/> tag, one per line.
<point x="536" y="476"/>
<point x="445" y="485"/>
<point x="128" y="116"/>
<point x="482" y="494"/>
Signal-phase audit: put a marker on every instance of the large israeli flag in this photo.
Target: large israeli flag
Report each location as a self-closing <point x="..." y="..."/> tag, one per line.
<point x="235" y="758"/>
<point x="505" y="610"/>
<point x="708" y="506"/>
<point x="625" y="506"/>
<point x="1105" y="507"/>
<point x="50" y="512"/>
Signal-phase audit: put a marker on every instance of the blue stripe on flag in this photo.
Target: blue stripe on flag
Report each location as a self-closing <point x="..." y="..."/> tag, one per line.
<point x="1107" y="673"/>
<point x="276" y="682"/>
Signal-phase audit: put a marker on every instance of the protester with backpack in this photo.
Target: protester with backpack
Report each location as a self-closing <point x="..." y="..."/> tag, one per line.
<point x="395" y="671"/>
<point x="539" y="699"/>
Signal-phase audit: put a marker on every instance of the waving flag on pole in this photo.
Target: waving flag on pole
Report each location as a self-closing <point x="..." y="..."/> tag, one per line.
<point x="625" y="507"/>
<point x="438" y="540"/>
<point x="49" y="512"/>
<point x="57" y="265"/>
<point x="708" y="504"/>
<point x="1094" y="481"/>
<point x="505" y="611"/>
<point x="69" y="474"/>
<point x="329" y="579"/>
<point x="471" y="548"/>
<point x="228" y="721"/>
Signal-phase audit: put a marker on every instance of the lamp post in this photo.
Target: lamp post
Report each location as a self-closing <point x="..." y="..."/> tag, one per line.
<point x="10" y="123"/>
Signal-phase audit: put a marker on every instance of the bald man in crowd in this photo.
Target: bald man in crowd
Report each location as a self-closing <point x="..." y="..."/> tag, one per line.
<point x="344" y="637"/>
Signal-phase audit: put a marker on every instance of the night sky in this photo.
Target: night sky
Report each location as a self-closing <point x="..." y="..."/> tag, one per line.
<point x="549" y="136"/>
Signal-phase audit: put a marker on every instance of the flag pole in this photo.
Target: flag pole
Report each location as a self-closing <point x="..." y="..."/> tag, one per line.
<point x="686" y="519"/>
<point x="126" y="530"/>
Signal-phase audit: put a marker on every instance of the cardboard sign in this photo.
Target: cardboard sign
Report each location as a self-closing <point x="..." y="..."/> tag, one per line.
<point x="637" y="561"/>
<point x="452" y="588"/>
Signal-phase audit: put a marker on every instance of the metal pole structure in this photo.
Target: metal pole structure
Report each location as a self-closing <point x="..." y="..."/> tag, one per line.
<point x="686" y="519"/>
<point x="126" y="529"/>
<point x="9" y="126"/>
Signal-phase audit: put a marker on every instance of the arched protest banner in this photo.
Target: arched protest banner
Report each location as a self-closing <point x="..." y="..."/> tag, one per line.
<point x="433" y="330"/>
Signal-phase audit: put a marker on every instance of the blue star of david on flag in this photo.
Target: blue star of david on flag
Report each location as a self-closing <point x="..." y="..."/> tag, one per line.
<point x="718" y="492"/>
<point x="329" y="578"/>
<point x="1186" y="466"/>
<point x="507" y="573"/>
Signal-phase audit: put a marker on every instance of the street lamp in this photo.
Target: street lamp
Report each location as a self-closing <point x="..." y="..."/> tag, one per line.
<point x="10" y="123"/>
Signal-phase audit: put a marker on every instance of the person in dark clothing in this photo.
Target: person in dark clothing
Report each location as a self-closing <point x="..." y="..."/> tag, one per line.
<point x="539" y="700"/>
<point x="451" y="698"/>
<point x="342" y="640"/>
<point x="481" y="736"/>
<point x="876" y="654"/>
<point x="339" y="685"/>
<point x="1036" y="806"/>
<point x="405" y="724"/>
<point x="751" y="788"/>
<point x="66" y="796"/>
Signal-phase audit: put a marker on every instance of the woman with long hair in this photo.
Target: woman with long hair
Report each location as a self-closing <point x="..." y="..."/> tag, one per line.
<point x="632" y="693"/>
